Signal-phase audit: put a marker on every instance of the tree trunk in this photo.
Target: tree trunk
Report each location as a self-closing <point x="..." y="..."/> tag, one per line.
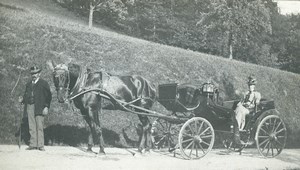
<point x="91" y="15"/>
<point x="230" y="40"/>
<point x="172" y="5"/>
<point x="230" y="52"/>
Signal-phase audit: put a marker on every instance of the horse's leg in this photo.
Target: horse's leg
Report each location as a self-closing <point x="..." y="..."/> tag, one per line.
<point x="145" y="130"/>
<point x="96" y="126"/>
<point x="90" y="137"/>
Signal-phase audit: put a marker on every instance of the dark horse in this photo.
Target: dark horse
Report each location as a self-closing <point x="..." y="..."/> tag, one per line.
<point x="71" y="80"/>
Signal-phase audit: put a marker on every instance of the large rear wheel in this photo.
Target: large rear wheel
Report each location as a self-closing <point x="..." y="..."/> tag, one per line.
<point x="196" y="138"/>
<point x="271" y="136"/>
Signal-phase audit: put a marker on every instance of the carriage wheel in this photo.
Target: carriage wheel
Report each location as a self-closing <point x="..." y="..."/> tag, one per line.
<point x="164" y="134"/>
<point x="196" y="138"/>
<point x="271" y="136"/>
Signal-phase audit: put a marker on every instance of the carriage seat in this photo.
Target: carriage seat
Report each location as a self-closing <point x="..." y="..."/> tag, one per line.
<point x="232" y="104"/>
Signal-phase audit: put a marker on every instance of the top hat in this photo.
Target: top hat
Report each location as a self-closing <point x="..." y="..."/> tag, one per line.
<point x="251" y="80"/>
<point x="34" y="70"/>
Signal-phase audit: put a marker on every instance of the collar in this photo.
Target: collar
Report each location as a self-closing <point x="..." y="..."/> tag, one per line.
<point x="34" y="82"/>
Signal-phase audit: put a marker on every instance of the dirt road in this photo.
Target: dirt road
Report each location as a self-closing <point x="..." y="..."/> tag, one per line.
<point x="63" y="157"/>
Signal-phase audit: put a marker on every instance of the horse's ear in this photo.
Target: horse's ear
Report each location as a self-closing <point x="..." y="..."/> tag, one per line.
<point x="51" y="64"/>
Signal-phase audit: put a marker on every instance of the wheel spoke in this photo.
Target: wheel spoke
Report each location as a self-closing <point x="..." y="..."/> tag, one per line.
<point x="161" y="139"/>
<point x="278" y="126"/>
<point x="187" y="135"/>
<point x="207" y="136"/>
<point x="161" y="124"/>
<point x="201" y="148"/>
<point x="274" y="125"/>
<point x="266" y="140"/>
<point x="269" y="125"/>
<point x="192" y="148"/>
<point x="272" y="149"/>
<point x="280" y="136"/>
<point x="268" y="148"/>
<point x="266" y="145"/>
<point x="199" y="129"/>
<point x="263" y="136"/>
<point x="205" y="130"/>
<point x="191" y="129"/>
<point x="264" y="131"/>
<point x="188" y="140"/>
<point x="279" y="143"/>
<point x="196" y="149"/>
<point x="278" y="148"/>
<point x="188" y="145"/>
<point x="195" y="127"/>
<point x="279" y="131"/>
<point x="205" y="143"/>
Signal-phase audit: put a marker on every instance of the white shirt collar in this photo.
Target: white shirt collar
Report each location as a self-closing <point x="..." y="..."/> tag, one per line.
<point x="34" y="82"/>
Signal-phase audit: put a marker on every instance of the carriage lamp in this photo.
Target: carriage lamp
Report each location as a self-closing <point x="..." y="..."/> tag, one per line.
<point x="208" y="88"/>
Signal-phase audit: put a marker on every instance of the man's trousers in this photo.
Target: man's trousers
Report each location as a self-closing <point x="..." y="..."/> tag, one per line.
<point x="36" y="127"/>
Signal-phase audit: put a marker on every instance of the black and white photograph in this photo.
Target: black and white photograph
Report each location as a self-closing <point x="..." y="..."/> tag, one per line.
<point x="150" y="84"/>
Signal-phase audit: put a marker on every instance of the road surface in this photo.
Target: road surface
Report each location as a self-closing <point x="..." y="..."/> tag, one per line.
<point x="67" y="157"/>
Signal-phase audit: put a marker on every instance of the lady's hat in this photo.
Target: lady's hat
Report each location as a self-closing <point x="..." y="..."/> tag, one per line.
<point x="34" y="70"/>
<point x="251" y="80"/>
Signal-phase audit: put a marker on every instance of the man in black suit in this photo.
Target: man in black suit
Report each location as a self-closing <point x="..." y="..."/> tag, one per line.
<point x="36" y="100"/>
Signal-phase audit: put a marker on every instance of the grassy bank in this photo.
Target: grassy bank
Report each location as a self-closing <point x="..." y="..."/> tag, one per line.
<point x="30" y="36"/>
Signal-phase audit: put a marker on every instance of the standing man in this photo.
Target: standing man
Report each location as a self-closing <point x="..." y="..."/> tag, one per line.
<point x="36" y="100"/>
<point x="248" y="103"/>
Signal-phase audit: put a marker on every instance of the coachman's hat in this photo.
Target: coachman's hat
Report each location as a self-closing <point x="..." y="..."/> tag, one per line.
<point x="251" y="80"/>
<point x="34" y="70"/>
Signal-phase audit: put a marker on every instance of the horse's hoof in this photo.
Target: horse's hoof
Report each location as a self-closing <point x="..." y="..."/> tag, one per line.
<point x="142" y="150"/>
<point x="90" y="150"/>
<point x="101" y="152"/>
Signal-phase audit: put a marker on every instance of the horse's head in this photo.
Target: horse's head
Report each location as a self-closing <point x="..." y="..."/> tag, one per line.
<point x="61" y="80"/>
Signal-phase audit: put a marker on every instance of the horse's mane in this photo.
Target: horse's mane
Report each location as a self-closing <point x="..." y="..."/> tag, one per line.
<point x="78" y="76"/>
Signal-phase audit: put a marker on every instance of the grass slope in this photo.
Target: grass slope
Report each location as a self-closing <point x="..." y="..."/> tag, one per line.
<point x="36" y="31"/>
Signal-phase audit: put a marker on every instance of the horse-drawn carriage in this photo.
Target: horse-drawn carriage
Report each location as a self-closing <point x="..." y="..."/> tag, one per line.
<point x="196" y="136"/>
<point x="195" y="115"/>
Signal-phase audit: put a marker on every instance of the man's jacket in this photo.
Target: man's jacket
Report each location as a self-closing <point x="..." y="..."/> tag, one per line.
<point x="38" y="94"/>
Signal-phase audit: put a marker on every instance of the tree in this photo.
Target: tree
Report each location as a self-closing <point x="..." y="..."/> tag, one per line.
<point x="230" y="23"/>
<point x="94" y="4"/>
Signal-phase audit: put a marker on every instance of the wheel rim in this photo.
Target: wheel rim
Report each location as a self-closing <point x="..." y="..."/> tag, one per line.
<point x="164" y="134"/>
<point x="271" y="136"/>
<point x="196" y="138"/>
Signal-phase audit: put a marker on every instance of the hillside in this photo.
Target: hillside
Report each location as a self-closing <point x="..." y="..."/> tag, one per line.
<point x="35" y="31"/>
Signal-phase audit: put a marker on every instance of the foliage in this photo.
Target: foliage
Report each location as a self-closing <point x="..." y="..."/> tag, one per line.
<point x="246" y="30"/>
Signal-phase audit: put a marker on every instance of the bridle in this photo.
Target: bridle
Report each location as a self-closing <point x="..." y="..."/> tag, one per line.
<point x="61" y="72"/>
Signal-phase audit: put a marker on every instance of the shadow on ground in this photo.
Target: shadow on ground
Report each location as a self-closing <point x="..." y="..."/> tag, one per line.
<point x="70" y="135"/>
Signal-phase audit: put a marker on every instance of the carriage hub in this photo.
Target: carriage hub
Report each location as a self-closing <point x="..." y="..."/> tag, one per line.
<point x="197" y="138"/>
<point x="272" y="137"/>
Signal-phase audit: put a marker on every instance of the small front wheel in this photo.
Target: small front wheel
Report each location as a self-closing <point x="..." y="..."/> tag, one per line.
<point x="164" y="134"/>
<point x="196" y="138"/>
<point x="271" y="136"/>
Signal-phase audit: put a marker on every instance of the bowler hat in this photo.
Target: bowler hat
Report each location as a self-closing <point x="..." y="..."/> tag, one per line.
<point x="34" y="70"/>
